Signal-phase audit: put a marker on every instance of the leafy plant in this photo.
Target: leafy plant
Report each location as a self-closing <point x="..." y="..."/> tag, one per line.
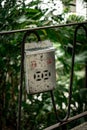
<point x="37" y="110"/>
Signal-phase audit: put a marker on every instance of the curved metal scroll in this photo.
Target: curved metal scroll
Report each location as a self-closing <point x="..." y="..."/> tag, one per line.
<point x="71" y="77"/>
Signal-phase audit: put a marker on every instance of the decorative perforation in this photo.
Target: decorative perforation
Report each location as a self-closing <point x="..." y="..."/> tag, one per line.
<point x="38" y="76"/>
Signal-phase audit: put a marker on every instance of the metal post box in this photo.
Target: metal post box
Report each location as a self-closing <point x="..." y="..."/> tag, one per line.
<point x="40" y="67"/>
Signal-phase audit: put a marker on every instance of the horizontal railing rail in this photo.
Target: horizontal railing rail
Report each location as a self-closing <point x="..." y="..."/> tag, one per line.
<point x="42" y="27"/>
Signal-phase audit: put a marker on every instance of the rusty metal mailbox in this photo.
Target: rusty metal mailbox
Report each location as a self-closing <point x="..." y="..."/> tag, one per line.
<point x="40" y="67"/>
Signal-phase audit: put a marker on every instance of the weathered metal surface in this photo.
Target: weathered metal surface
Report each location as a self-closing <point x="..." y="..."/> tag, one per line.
<point x="81" y="127"/>
<point x="40" y="67"/>
<point x="42" y="27"/>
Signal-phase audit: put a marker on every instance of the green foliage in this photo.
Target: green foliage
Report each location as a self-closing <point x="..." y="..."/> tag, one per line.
<point x="37" y="110"/>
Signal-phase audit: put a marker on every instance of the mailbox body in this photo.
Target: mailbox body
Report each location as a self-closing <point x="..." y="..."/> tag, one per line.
<point x="40" y="69"/>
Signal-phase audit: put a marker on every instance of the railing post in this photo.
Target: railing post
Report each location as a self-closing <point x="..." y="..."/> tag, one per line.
<point x="22" y="76"/>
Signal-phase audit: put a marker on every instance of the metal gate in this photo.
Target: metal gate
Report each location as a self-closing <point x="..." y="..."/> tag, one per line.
<point x="67" y="118"/>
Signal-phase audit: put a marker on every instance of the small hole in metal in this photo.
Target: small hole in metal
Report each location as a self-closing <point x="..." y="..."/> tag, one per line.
<point x="34" y="76"/>
<point x="38" y="79"/>
<point x="42" y="75"/>
<point x="41" y="56"/>
<point x="45" y="70"/>
<point x="45" y="78"/>
<point x="49" y="74"/>
<point x="38" y="72"/>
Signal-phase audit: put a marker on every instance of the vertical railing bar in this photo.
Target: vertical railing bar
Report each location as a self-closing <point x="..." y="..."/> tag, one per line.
<point x="21" y="83"/>
<point x="71" y="77"/>
<point x="54" y="106"/>
<point x="86" y="61"/>
<point x="72" y="72"/>
<point x="22" y="76"/>
<point x="72" y="66"/>
<point x="71" y="82"/>
<point x="85" y="74"/>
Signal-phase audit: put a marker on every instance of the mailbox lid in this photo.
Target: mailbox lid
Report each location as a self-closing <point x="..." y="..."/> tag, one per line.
<point x="37" y="51"/>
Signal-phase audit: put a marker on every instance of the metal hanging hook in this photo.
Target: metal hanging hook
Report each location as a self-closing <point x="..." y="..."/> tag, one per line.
<point x="71" y="77"/>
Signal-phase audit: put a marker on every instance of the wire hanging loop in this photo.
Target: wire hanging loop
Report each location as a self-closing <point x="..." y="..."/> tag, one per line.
<point x="28" y="33"/>
<point x="72" y="72"/>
